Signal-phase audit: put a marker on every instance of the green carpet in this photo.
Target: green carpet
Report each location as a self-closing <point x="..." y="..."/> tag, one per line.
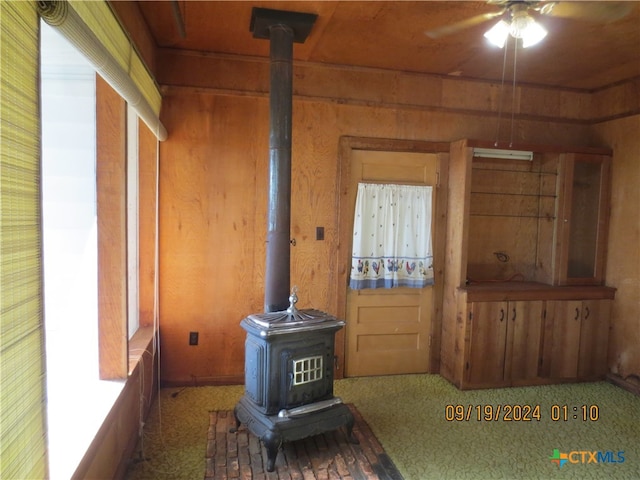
<point x="407" y="413"/>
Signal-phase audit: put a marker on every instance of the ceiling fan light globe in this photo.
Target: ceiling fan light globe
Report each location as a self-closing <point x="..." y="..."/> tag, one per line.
<point x="532" y="35"/>
<point x="497" y="35"/>
<point x="520" y="23"/>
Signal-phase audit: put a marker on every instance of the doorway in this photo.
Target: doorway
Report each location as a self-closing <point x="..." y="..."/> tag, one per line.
<point x="392" y="331"/>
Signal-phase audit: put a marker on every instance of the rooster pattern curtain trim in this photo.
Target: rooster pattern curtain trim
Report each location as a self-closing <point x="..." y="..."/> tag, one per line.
<point x="392" y="237"/>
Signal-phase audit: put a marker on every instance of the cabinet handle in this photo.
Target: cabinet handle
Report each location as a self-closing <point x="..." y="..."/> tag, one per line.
<point x="514" y="315"/>
<point x="577" y="314"/>
<point x="586" y="312"/>
<point x="501" y="314"/>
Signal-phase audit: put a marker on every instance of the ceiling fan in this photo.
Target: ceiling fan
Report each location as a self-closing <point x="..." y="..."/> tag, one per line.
<point x="517" y="20"/>
<point x="518" y="16"/>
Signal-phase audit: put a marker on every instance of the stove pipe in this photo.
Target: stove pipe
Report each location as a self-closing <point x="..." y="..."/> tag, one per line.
<point x="277" y="274"/>
<point x="282" y="29"/>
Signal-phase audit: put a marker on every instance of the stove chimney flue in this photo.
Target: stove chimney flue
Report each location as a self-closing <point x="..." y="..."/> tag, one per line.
<point x="289" y="353"/>
<point x="282" y="29"/>
<point x="277" y="274"/>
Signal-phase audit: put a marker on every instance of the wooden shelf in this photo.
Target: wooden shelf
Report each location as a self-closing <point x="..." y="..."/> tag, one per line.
<point x="505" y="291"/>
<point x="548" y="229"/>
<point x="510" y="216"/>
<point x="535" y="195"/>
<point x="513" y="170"/>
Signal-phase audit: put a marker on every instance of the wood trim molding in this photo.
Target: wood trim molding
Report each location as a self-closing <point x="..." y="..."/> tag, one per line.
<point x="112" y="244"/>
<point x="224" y="74"/>
<point x="630" y="383"/>
<point x="147" y="218"/>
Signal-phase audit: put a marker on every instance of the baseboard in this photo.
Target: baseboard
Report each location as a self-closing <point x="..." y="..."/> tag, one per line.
<point x="204" y="381"/>
<point x="630" y="383"/>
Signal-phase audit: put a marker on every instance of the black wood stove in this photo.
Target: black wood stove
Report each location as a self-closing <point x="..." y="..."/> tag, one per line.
<point x="289" y="353"/>
<point x="289" y="358"/>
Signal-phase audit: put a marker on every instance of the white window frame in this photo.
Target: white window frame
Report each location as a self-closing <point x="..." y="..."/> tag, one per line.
<point x="133" y="226"/>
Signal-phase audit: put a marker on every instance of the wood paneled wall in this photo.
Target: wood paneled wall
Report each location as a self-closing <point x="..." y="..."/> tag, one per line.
<point x="214" y="168"/>
<point x="623" y="255"/>
<point x="382" y="88"/>
<point x="212" y="233"/>
<point x="214" y="190"/>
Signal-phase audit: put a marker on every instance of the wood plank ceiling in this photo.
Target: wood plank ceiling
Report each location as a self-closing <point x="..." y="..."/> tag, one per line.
<point x="578" y="53"/>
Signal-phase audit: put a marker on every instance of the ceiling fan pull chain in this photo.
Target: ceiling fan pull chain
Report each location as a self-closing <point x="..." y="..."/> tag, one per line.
<point x="513" y="95"/>
<point x="500" y="95"/>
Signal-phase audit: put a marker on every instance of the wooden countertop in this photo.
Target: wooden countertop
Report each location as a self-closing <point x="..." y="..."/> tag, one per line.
<point x="505" y="291"/>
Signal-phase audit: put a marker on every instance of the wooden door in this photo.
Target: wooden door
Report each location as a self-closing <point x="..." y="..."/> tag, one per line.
<point x="524" y="342"/>
<point x="584" y="216"/>
<point x="594" y="339"/>
<point x="485" y="365"/>
<point x="388" y="330"/>
<point x="562" y="338"/>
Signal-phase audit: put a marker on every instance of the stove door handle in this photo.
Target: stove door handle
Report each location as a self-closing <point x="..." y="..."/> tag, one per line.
<point x="309" y="408"/>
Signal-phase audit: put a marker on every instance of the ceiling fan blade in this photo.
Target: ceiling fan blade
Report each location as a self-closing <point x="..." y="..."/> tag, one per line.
<point x="458" y="26"/>
<point x="590" y="11"/>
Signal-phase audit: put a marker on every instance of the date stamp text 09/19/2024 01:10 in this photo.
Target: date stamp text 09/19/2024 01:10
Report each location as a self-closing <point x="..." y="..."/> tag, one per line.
<point x="520" y="413"/>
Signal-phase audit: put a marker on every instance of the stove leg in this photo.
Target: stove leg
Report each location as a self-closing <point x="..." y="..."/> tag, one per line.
<point x="272" y="442"/>
<point x="350" y="436"/>
<point x="235" y="414"/>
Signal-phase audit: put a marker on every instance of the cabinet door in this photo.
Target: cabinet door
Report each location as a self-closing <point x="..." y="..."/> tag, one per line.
<point x="488" y="333"/>
<point x="524" y="337"/>
<point x="562" y="338"/>
<point x="594" y="339"/>
<point x="583" y="220"/>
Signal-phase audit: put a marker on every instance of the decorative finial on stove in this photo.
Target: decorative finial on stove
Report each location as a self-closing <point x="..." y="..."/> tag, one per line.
<point x="293" y="299"/>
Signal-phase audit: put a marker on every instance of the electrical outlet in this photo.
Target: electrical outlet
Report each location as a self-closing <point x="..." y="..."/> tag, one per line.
<point x="193" y="338"/>
<point x="319" y="233"/>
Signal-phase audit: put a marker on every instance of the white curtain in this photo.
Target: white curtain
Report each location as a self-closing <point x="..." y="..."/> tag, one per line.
<point x="392" y="237"/>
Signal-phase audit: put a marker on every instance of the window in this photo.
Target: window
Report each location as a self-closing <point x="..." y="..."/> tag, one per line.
<point x="78" y="401"/>
<point x="72" y="226"/>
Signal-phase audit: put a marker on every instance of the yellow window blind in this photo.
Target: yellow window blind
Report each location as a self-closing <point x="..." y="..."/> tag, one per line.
<point x="95" y="31"/>
<point x="22" y="371"/>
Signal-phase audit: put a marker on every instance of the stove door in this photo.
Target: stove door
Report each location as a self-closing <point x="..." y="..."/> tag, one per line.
<point x="307" y="374"/>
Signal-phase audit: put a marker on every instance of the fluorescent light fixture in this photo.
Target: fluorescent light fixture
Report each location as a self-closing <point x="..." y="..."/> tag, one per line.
<point x="505" y="154"/>
<point x="522" y="26"/>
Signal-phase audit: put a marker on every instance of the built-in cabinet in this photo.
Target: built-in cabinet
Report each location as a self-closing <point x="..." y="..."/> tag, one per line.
<point x="525" y="301"/>
<point x="562" y="347"/>
<point x="576" y="339"/>
<point x="583" y="219"/>
<point x="504" y="342"/>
